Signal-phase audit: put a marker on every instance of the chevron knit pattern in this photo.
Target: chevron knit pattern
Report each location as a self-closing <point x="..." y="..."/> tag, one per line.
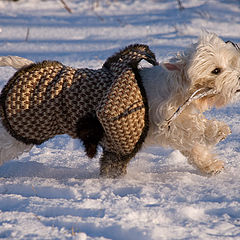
<point x="105" y="106"/>
<point x="47" y="99"/>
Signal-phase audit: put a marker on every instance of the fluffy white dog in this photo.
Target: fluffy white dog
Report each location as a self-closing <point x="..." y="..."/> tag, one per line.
<point x="207" y="74"/>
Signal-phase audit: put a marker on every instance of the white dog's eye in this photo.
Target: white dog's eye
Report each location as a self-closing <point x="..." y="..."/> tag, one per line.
<point x="216" y="71"/>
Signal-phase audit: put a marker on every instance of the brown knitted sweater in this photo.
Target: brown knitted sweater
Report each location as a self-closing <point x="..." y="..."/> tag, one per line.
<point x="106" y="106"/>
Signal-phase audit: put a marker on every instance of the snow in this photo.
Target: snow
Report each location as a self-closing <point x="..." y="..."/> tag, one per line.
<point x="54" y="192"/>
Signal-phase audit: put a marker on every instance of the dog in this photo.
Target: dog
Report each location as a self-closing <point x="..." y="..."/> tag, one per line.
<point x="179" y="91"/>
<point x="175" y="94"/>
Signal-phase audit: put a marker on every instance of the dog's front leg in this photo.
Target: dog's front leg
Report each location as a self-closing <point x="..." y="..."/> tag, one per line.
<point x="195" y="137"/>
<point x="215" y="131"/>
<point x="113" y="165"/>
<point x="201" y="157"/>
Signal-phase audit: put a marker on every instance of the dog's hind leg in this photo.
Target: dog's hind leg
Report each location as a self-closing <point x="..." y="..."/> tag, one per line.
<point x="113" y="165"/>
<point x="90" y="131"/>
<point x="10" y="148"/>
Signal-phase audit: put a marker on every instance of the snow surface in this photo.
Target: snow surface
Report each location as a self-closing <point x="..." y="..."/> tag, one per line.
<point x="54" y="191"/>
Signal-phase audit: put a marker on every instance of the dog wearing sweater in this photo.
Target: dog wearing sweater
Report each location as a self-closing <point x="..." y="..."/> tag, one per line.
<point x="162" y="105"/>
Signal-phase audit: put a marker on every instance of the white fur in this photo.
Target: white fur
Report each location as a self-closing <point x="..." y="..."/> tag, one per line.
<point x="11" y="148"/>
<point x="169" y="85"/>
<point x="14" y="61"/>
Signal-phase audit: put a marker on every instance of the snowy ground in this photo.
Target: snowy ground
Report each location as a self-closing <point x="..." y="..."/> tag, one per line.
<point x="54" y="191"/>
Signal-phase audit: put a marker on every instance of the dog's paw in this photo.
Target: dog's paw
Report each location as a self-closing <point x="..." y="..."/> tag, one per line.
<point x="214" y="168"/>
<point x="216" y="131"/>
<point x="223" y="132"/>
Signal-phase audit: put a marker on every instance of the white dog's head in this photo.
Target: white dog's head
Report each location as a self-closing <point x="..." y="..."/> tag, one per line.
<point x="209" y="64"/>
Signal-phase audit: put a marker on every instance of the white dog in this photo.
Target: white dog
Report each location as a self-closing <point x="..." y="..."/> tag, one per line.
<point x="179" y="91"/>
<point x="207" y="74"/>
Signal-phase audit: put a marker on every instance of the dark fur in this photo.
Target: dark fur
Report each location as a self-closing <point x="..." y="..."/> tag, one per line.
<point x="90" y="131"/>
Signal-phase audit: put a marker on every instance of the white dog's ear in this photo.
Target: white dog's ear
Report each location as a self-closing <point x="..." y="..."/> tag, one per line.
<point x="172" y="66"/>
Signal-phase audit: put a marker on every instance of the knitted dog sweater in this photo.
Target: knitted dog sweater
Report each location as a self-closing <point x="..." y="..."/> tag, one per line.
<point x="107" y="106"/>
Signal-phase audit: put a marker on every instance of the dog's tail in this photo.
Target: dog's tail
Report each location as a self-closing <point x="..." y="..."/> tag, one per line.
<point x="11" y="148"/>
<point x="14" y="61"/>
